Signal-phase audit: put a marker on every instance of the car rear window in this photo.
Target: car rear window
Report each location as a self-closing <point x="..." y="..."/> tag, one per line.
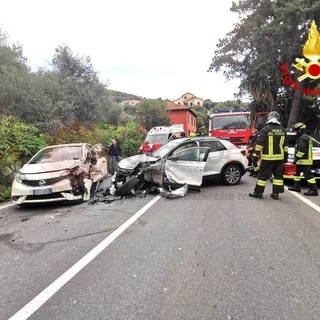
<point x="213" y="145"/>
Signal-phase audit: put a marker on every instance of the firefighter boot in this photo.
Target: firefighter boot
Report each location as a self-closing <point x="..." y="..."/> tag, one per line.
<point x="250" y="173"/>
<point x="296" y="187"/>
<point x="313" y="191"/>
<point x="274" y="196"/>
<point x="256" y="195"/>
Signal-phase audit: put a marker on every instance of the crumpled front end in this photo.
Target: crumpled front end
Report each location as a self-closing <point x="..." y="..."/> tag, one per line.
<point x="72" y="184"/>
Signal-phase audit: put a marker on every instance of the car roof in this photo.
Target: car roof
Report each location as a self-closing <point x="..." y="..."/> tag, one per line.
<point x="202" y="138"/>
<point x="77" y="144"/>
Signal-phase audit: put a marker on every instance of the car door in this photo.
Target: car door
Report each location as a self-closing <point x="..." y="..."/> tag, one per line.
<point x="99" y="165"/>
<point x="187" y="165"/>
<point x="216" y="158"/>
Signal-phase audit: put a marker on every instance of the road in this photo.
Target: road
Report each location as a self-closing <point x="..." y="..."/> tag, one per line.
<point x="216" y="254"/>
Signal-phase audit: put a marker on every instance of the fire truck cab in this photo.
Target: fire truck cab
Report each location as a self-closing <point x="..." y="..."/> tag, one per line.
<point x="235" y="125"/>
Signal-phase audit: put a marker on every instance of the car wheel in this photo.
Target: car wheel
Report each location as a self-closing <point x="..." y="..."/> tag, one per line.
<point x="127" y="186"/>
<point x="231" y="174"/>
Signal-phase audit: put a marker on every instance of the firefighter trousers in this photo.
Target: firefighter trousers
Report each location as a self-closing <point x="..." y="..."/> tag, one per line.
<point x="266" y="169"/>
<point x="306" y="170"/>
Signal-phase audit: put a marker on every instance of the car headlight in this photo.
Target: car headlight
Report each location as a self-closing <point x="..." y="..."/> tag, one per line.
<point x="19" y="177"/>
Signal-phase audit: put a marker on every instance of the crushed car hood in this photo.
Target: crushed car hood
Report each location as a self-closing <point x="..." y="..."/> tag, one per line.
<point x="49" y="166"/>
<point x="132" y="162"/>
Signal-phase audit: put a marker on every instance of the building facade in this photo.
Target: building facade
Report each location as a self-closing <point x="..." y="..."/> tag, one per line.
<point x="189" y="100"/>
<point x="182" y="114"/>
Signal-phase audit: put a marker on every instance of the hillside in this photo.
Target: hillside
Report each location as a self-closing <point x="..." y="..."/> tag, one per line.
<point x="119" y="96"/>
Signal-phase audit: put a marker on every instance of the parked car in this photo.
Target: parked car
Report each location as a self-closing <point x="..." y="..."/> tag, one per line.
<point x="183" y="161"/>
<point x="60" y="172"/>
<point x="290" y="168"/>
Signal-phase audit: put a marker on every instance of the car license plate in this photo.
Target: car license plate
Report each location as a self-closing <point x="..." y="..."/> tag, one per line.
<point x="41" y="191"/>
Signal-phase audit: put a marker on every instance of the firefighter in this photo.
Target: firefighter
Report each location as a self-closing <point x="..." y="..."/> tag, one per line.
<point x="252" y="161"/>
<point x="303" y="160"/>
<point x="272" y="144"/>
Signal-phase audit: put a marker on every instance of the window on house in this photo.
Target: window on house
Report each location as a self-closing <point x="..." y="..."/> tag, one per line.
<point x="191" y="104"/>
<point x="185" y="97"/>
<point x="186" y="103"/>
<point x="198" y="103"/>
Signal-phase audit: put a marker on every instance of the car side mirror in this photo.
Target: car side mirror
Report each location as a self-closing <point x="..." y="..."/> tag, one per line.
<point x="173" y="158"/>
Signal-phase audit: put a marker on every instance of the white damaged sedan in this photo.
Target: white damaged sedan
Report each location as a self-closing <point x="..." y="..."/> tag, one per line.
<point x="60" y="172"/>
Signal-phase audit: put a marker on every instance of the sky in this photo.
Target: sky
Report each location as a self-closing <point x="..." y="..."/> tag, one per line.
<point x="150" y="48"/>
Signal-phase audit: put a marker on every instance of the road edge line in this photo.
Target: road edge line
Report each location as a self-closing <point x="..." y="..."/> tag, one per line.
<point x="56" y="285"/>
<point x="305" y="200"/>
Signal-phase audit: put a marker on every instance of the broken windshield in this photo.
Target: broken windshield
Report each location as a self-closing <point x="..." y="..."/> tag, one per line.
<point x="152" y="138"/>
<point x="55" y="154"/>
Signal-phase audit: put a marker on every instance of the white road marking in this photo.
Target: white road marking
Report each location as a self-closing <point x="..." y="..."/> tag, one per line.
<point x="55" y="286"/>
<point x="305" y="200"/>
<point x="4" y="206"/>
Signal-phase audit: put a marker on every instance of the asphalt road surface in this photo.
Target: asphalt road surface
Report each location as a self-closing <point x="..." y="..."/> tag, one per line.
<point x="212" y="255"/>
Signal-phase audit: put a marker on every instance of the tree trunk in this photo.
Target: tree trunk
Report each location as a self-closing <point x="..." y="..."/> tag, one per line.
<point x="295" y="107"/>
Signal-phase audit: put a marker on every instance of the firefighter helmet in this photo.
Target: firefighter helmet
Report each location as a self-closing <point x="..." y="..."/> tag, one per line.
<point x="299" y="126"/>
<point x="274" y="114"/>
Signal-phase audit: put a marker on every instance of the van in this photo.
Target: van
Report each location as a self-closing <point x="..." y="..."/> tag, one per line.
<point x="157" y="136"/>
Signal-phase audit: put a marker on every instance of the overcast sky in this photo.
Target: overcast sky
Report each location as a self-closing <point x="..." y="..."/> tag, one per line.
<point x="149" y="48"/>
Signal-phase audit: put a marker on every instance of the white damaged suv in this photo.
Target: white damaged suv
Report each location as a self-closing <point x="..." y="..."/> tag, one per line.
<point x="188" y="161"/>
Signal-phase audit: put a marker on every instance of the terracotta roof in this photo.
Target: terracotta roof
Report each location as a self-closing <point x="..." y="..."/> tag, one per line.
<point x="174" y="106"/>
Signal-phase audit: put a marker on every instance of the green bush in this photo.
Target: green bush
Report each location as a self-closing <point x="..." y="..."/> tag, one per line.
<point x="75" y="132"/>
<point x="18" y="142"/>
<point x="129" y="137"/>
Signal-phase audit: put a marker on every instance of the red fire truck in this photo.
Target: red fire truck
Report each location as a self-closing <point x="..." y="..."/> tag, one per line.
<point x="235" y="125"/>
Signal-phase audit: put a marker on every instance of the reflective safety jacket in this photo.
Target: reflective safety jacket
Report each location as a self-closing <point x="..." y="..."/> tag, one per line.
<point x="272" y="142"/>
<point x="303" y="150"/>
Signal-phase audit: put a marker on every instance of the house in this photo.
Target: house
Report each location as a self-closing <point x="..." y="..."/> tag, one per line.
<point x="189" y="99"/>
<point x="131" y="102"/>
<point x="182" y="114"/>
